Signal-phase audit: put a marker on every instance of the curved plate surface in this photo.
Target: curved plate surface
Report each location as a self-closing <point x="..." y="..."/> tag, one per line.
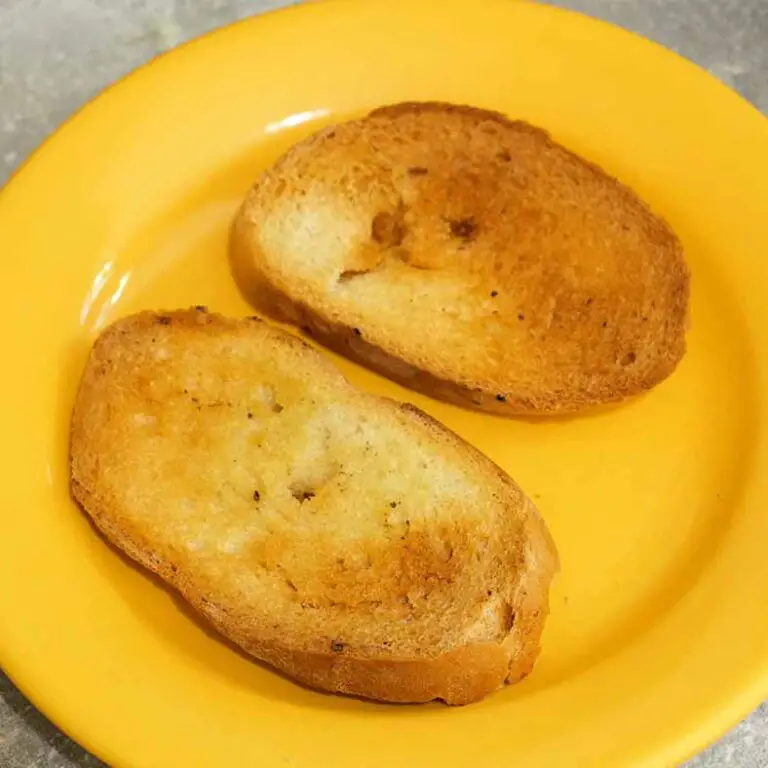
<point x="658" y="638"/>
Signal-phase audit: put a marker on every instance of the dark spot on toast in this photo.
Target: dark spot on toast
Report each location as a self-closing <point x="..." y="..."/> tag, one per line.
<point x="301" y="493"/>
<point x="494" y="294"/>
<point x="387" y="229"/>
<point x="357" y="332"/>
<point x="501" y="398"/>
<point x="337" y="646"/>
<point x="349" y="274"/>
<point x="201" y="308"/>
<point x="464" y="229"/>
<point x="256" y="496"/>
<point x="418" y="170"/>
<point x="504" y="156"/>
<point x="164" y="320"/>
<point x="629" y="358"/>
<point x="520" y="316"/>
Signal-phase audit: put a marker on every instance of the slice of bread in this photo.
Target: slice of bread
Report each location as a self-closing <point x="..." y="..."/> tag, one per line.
<point x="470" y="257"/>
<point x="350" y="541"/>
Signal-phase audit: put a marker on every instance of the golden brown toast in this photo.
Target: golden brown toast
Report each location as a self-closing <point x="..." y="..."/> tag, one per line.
<point x="350" y="541"/>
<point x="468" y="256"/>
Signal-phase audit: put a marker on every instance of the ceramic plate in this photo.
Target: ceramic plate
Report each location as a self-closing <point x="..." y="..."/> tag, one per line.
<point x="658" y="638"/>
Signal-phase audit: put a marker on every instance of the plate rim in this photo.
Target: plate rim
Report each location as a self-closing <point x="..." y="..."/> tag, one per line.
<point x="724" y="716"/>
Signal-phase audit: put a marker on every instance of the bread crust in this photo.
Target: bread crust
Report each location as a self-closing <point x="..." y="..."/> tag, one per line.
<point x="459" y="674"/>
<point x="567" y="291"/>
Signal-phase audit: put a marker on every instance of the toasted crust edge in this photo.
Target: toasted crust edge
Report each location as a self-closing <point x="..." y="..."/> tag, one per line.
<point x="349" y="342"/>
<point x="462" y="676"/>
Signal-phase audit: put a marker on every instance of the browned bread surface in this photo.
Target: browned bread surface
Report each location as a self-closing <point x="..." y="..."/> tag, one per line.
<point x="350" y="541"/>
<point x="471" y="257"/>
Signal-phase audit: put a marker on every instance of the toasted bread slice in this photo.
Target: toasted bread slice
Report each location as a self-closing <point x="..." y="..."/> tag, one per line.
<point x="350" y="541"/>
<point x="470" y="257"/>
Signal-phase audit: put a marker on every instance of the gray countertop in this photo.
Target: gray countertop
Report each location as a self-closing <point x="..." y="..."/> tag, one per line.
<point x="56" y="56"/>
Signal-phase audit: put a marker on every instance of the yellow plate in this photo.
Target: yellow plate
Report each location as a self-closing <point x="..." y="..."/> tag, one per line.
<point x="658" y="638"/>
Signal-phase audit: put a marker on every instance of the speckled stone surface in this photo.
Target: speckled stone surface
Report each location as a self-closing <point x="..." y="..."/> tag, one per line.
<point x="54" y="56"/>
